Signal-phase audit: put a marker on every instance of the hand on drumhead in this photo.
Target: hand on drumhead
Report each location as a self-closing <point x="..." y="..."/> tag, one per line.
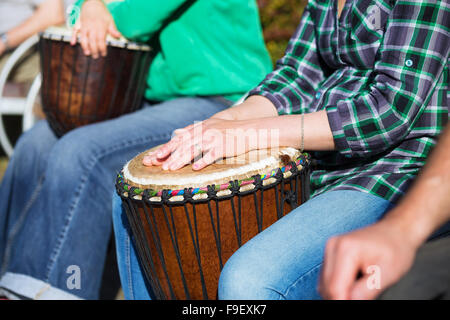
<point x="160" y="155"/>
<point x="204" y="142"/>
<point x="94" y="25"/>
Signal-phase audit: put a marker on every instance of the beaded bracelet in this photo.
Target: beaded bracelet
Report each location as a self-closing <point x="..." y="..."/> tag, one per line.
<point x="302" y="143"/>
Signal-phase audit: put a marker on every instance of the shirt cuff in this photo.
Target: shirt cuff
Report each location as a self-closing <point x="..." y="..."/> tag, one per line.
<point x="335" y="122"/>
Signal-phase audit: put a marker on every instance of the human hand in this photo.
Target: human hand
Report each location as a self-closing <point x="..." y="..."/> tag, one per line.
<point x="355" y="259"/>
<point x="94" y="25"/>
<point x="206" y="142"/>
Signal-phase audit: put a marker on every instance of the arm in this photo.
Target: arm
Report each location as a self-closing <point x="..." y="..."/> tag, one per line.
<point x="368" y="122"/>
<point x="220" y="138"/>
<point x="430" y="195"/>
<point x="286" y="91"/>
<point x="48" y="13"/>
<point x="391" y="243"/>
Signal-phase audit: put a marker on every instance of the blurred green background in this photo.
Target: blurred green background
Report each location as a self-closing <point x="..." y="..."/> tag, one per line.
<point x="279" y="18"/>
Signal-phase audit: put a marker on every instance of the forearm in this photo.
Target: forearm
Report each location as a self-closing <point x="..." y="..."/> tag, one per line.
<point x="277" y="130"/>
<point x="287" y="130"/>
<point x="50" y="12"/>
<point x="426" y="206"/>
<point x="255" y="107"/>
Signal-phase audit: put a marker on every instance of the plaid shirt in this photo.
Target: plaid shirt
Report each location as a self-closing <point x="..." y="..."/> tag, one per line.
<point x="381" y="72"/>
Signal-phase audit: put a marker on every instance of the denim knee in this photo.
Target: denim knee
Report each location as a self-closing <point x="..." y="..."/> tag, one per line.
<point x="74" y="153"/>
<point x="240" y="279"/>
<point x="34" y="143"/>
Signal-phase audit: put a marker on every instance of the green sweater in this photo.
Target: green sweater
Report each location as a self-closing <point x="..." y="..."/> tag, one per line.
<point x="214" y="47"/>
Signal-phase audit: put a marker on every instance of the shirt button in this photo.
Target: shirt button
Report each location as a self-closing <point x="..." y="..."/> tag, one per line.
<point x="409" y="63"/>
<point x="318" y="95"/>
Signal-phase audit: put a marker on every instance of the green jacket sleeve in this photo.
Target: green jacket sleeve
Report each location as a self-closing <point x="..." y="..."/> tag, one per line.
<point x="139" y="20"/>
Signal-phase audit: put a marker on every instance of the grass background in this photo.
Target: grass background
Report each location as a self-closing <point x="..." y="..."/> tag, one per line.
<point x="279" y="19"/>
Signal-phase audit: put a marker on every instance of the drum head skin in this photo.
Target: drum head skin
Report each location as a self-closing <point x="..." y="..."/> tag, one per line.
<point x="262" y="162"/>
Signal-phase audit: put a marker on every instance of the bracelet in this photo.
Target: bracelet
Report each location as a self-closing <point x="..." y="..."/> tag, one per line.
<point x="4" y="39"/>
<point x="302" y="144"/>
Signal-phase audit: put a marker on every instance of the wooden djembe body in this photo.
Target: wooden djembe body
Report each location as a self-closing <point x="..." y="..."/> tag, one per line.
<point x="78" y="90"/>
<point x="186" y="223"/>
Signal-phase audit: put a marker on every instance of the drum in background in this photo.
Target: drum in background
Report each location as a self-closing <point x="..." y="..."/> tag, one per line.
<point x="186" y="223"/>
<point x="78" y="90"/>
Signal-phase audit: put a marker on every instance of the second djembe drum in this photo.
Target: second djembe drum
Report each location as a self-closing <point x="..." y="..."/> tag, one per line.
<point x="186" y="223"/>
<point x="79" y="90"/>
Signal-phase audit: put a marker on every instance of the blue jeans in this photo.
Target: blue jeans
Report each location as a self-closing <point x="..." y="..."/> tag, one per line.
<point x="55" y="197"/>
<point x="281" y="262"/>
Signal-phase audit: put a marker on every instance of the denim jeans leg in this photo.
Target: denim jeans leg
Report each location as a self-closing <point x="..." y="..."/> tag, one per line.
<point x="284" y="261"/>
<point x="22" y="180"/>
<point x="134" y="285"/>
<point x="69" y="224"/>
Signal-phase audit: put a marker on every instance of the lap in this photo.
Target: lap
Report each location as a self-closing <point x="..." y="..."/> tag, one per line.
<point x="289" y="254"/>
<point x="150" y="122"/>
<point x="151" y="125"/>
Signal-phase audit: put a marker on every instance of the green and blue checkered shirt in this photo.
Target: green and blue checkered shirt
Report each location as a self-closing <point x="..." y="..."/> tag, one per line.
<point x="381" y="72"/>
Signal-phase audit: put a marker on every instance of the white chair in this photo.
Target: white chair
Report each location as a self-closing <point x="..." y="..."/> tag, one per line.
<point x="14" y="105"/>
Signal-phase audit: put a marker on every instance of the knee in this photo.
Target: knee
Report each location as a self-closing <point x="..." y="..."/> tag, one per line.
<point x="241" y="279"/>
<point x="74" y="152"/>
<point x="35" y="142"/>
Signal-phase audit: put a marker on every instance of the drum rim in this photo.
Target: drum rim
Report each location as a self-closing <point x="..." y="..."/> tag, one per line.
<point x="66" y="36"/>
<point x="302" y="162"/>
<point x="261" y="161"/>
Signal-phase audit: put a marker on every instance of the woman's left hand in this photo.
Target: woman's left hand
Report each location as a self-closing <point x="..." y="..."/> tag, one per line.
<point x="206" y="142"/>
<point x="95" y="23"/>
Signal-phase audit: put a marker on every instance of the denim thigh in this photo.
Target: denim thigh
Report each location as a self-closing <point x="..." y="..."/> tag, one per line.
<point x="284" y="260"/>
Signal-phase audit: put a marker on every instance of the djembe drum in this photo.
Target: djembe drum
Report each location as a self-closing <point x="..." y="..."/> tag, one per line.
<point x="78" y="90"/>
<point x="186" y="223"/>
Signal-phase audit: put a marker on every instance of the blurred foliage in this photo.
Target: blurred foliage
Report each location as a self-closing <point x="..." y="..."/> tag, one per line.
<point x="279" y="19"/>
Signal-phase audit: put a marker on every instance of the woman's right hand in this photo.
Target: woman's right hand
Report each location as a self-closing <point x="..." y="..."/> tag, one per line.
<point x="94" y="25"/>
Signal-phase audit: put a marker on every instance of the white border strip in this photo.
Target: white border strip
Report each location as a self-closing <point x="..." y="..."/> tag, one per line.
<point x="15" y="285"/>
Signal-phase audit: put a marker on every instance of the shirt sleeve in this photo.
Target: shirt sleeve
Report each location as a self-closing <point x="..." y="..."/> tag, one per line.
<point x="291" y="86"/>
<point x="140" y="19"/>
<point x="412" y="57"/>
